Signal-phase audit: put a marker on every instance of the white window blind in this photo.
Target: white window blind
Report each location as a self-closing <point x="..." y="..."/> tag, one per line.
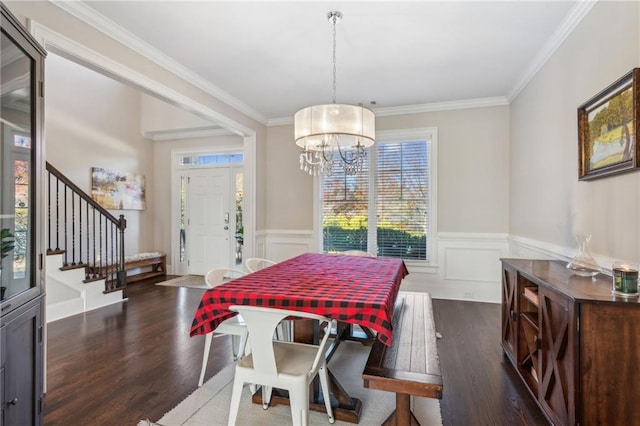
<point x="345" y="210"/>
<point x="402" y="196"/>
<point x="385" y="208"/>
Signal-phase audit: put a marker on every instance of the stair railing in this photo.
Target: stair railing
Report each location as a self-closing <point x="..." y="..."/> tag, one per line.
<point x="85" y="233"/>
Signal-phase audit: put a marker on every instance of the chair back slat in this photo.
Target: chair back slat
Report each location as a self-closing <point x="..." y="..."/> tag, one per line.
<point x="255" y="263"/>
<point x="261" y="323"/>
<point x="217" y="276"/>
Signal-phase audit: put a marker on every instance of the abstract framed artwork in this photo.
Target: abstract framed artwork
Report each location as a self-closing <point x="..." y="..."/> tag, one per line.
<point x="115" y="190"/>
<point x="608" y="129"/>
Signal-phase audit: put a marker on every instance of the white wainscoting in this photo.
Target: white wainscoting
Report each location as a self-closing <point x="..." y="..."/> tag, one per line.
<point x="279" y="245"/>
<point x="467" y="268"/>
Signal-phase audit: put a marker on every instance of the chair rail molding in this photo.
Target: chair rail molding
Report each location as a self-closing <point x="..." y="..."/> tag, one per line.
<point x="529" y="248"/>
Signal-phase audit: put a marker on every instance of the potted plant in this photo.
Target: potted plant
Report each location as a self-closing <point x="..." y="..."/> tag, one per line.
<point x="6" y="245"/>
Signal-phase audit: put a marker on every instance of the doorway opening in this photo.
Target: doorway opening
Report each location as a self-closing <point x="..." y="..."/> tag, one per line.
<point x="210" y="211"/>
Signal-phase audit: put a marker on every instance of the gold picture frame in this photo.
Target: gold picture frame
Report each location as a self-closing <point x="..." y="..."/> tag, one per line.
<point x="608" y="129"/>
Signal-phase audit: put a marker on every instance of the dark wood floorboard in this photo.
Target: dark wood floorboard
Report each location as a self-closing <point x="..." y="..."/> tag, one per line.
<point x="126" y="362"/>
<point x="480" y="386"/>
<point x="131" y="361"/>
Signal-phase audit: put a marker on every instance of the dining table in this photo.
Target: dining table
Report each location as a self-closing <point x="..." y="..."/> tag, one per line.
<point x="353" y="290"/>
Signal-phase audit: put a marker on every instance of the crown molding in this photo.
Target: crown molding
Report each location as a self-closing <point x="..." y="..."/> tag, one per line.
<point x="416" y="109"/>
<point x="98" y="21"/>
<point x="189" y="133"/>
<point x="83" y="12"/>
<point x="442" y="106"/>
<point x="576" y="15"/>
<point x="282" y="121"/>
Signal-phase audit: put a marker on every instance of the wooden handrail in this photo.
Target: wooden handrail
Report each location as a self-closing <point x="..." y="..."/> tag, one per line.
<point x="108" y="246"/>
<point x="57" y="173"/>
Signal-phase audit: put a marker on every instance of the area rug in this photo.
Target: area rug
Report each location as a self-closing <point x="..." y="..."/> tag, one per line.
<point x="191" y="281"/>
<point x="209" y="405"/>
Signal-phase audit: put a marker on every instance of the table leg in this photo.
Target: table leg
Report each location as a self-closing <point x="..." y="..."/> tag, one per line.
<point x="402" y="415"/>
<point x="347" y="332"/>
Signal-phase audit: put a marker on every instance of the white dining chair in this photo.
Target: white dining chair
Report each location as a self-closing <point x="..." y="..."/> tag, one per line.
<point x="234" y="326"/>
<point x="256" y="263"/>
<point x="253" y="264"/>
<point x="283" y="365"/>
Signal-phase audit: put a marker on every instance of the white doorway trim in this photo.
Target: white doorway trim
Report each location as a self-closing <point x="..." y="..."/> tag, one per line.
<point x="61" y="45"/>
<point x="176" y="171"/>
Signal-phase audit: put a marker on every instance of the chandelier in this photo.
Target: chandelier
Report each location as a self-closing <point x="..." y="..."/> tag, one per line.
<point x="322" y="131"/>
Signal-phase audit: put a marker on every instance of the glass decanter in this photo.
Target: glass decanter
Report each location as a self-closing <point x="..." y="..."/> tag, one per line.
<point x="583" y="264"/>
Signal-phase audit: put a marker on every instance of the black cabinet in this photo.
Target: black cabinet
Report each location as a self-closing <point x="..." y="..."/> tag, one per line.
<point x="21" y="365"/>
<point x="21" y="225"/>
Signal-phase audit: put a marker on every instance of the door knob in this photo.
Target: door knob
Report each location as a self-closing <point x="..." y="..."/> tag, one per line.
<point x="14" y="401"/>
<point x="226" y="227"/>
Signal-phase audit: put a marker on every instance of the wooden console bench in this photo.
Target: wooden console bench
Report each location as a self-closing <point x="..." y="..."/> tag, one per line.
<point x="156" y="260"/>
<point x="410" y="366"/>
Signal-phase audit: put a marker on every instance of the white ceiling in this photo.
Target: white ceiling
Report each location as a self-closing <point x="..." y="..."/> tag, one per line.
<point x="270" y="59"/>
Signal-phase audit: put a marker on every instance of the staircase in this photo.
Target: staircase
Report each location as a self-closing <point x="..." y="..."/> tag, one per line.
<point x="85" y="254"/>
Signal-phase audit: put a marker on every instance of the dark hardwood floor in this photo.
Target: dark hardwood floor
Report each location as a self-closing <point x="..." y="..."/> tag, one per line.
<point x="135" y="360"/>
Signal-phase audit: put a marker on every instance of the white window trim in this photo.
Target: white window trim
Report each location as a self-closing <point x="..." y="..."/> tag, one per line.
<point x="429" y="134"/>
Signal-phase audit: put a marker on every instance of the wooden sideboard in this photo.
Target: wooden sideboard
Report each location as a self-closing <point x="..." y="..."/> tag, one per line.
<point x="574" y="345"/>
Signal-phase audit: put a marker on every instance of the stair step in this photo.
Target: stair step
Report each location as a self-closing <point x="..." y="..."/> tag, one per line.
<point x="90" y="280"/>
<point x="52" y="252"/>
<point x="76" y="266"/>
<point x="113" y="290"/>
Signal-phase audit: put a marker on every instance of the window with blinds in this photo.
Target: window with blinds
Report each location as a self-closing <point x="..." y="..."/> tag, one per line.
<point x="402" y="197"/>
<point x="345" y="210"/>
<point x="384" y="209"/>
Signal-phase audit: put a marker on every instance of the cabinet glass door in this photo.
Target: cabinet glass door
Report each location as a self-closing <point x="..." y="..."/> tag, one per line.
<point x="16" y="169"/>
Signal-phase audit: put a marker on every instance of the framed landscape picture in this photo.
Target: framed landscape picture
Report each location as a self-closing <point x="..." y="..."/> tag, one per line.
<point x="608" y="129"/>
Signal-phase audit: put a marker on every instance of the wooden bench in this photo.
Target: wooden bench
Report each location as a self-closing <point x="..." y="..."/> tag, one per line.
<point x="410" y="366"/>
<point x="156" y="260"/>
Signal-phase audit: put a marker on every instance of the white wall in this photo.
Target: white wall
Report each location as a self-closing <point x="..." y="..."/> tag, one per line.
<point x="473" y="165"/>
<point x="162" y="160"/>
<point x="473" y="200"/>
<point x="105" y="53"/>
<point x="502" y="169"/>
<point x="548" y="204"/>
<point x="157" y="115"/>
<point x="289" y="191"/>
<point x="94" y="121"/>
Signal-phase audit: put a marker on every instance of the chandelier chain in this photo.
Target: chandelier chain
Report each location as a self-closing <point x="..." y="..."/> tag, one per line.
<point x="334" y="135"/>
<point x="334" y="19"/>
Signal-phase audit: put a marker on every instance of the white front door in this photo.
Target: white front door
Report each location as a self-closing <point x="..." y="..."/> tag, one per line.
<point x="208" y="223"/>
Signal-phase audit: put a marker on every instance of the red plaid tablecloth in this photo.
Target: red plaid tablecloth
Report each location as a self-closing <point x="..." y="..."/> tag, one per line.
<point x="351" y="289"/>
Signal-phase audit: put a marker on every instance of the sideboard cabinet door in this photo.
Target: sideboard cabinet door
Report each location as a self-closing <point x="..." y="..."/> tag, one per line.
<point x="558" y="363"/>
<point x="509" y="312"/>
